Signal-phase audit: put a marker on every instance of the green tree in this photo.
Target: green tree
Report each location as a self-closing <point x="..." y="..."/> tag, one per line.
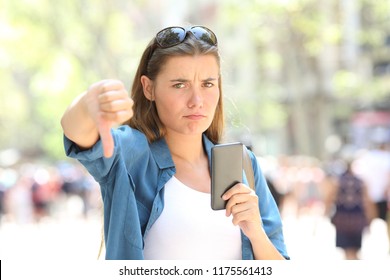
<point x="311" y="63"/>
<point x="51" y="51"/>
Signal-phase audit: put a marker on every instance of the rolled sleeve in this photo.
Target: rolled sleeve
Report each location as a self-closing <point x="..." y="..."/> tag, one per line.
<point x="92" y="159"/>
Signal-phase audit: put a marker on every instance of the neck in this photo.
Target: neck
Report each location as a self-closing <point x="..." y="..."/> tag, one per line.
<point x="185" y="147"/>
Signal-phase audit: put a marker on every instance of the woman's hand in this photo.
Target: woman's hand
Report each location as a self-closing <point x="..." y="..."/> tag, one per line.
<point x="243" y="205"/>
<point x="92" y="114"/>
<point x="109" y="104"/>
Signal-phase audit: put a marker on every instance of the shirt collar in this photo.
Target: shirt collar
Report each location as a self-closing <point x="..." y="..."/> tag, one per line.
<point x="163" y="156"/>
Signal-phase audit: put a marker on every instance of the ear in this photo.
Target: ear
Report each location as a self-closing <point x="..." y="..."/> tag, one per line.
<point x="147" y="85"/>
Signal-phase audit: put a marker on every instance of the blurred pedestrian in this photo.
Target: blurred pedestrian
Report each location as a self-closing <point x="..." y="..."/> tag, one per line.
<point x="374" y="168"/>
<point x="351" y="210"/>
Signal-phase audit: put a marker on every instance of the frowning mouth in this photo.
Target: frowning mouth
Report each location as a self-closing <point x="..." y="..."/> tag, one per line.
<point x="195" y="117"/>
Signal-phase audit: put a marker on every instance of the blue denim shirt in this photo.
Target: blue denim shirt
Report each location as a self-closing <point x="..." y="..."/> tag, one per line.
<point x="132" y="186"/>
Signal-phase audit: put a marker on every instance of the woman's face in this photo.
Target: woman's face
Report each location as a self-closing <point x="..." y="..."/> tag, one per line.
<point x="186" y="93"/>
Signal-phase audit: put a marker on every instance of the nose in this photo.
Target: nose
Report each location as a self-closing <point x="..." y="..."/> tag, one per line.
<point x="196" y="99"/>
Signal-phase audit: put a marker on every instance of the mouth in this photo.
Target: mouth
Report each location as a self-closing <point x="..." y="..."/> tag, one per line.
<point x="195" y="117"/>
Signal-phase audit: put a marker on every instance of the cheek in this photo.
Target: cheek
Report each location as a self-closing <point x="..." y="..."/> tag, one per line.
<point x="168" y="102"/>
<point x="213" y="99"/>
<point x="166" y="109"/>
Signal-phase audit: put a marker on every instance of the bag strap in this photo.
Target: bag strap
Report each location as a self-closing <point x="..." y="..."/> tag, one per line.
<point x="248" y="168"/>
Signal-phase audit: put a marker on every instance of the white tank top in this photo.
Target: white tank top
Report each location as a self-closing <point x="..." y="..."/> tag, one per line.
<point x="188" y="229"/>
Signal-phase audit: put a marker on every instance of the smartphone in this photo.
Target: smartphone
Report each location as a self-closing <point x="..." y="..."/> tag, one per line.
<point x="226" y="171"/>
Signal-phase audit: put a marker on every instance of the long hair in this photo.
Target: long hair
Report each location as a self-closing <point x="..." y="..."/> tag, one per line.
<point x="145" y="118"/>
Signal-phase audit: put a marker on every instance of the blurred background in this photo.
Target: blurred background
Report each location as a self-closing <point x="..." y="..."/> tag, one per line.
<point x="305" y="81"/>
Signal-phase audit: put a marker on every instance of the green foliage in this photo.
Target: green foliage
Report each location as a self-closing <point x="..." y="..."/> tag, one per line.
<point x="50" y="51"/>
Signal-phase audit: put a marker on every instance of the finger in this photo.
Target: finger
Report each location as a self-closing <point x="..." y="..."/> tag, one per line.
<point x="240" y="199"/>
<point x="107" y="96"/>
<point x="116" y="105"/>
<point x="111" y="85"/>
<point x="232" y="209"/>
<point x="104" y="128"/>
<point x="105" y="85"/>
<point x="241" y="207"/>
<point x="245" y="216"/>
<point x="237" y="188"/>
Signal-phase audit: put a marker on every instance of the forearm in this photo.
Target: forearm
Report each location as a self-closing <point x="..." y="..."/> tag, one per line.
<point x="78" y="124"/>
<point x="263" y="249"/>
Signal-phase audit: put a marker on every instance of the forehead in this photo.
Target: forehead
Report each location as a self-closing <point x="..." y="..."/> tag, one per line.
<point x="203" y="65"/>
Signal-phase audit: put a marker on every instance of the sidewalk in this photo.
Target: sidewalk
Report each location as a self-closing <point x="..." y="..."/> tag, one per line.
<point x="307" y="238"/>
<point x="67" y="239"/>
<point x="314" y="237"/>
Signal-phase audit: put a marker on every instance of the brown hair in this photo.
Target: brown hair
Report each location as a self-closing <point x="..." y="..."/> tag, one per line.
<point x="145" y="116"/>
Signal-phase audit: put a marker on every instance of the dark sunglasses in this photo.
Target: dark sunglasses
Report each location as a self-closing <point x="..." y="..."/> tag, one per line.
<point x="172" y="36"/>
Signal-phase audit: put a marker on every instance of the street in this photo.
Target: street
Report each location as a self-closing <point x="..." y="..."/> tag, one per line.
<point x="79" y="239"/>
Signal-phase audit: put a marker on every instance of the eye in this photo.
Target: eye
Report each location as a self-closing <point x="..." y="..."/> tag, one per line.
<point x="208" y="84"/>
<point x="179" y="85"/>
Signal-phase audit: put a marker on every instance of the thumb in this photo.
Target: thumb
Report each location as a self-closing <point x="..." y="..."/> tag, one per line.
<point x="104" y="128"/>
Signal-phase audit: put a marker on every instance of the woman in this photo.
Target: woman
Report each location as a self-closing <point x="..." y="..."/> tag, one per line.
<point x="154" y="170"/>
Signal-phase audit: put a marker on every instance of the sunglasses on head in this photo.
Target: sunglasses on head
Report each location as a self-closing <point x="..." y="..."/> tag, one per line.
<point x="172" y="36"/>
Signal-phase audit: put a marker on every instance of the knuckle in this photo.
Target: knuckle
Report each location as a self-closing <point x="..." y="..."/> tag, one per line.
<point x="110" y="106"/>
<point x="104" y="87"/>
<point x="243" y="186"/>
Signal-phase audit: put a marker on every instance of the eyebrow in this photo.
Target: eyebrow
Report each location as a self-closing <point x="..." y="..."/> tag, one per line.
<point x="185" y="80"/>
